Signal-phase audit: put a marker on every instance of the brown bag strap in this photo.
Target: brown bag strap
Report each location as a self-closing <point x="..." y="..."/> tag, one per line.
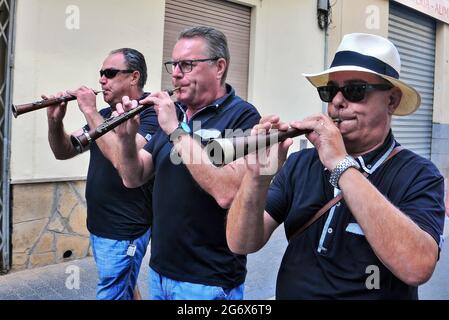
<point x="335" y="200"/>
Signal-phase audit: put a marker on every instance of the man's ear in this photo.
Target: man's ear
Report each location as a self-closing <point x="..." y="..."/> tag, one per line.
<point x="221" y="66"/>
<point x="394" y="99"/>
<point x="136" y="77"/>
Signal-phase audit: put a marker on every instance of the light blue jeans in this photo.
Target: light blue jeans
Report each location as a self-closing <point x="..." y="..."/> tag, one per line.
<point x="118" y="270"/>
<point x="163" y="288"/>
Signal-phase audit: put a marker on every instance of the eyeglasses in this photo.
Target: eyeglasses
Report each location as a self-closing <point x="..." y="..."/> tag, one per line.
<point x="352" y="92"/>
<point x="185" y="66"/>
<point x="111" y="72"/>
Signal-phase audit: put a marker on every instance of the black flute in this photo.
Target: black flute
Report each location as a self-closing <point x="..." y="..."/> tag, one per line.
<point x="82" y="141"/>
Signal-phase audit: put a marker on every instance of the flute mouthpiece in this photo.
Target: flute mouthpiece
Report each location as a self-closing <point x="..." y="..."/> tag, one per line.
<point x="172" y="91"/>
<point x="337" y="120"/>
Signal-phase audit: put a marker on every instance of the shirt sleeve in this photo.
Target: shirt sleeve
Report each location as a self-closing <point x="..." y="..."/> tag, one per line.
<point x="148" y="123"/>
<point x="150" y="145"/>
<point x="423" y="200"/>
<point x="278" y="198"/>
<point x="248" y="119"/>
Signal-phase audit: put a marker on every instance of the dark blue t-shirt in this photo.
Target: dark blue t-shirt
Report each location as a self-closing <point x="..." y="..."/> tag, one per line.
<point x="188" y="233"/>
<point x="332" y="258"/>
<point x="114" y="211"/>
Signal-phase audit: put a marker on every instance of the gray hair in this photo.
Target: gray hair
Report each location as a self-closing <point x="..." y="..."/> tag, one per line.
<point x="134" y="61"/>
<point x="217" y="44"/>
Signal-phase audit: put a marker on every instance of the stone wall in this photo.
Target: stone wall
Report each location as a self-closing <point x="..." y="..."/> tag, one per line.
<point x="48" y="223"/>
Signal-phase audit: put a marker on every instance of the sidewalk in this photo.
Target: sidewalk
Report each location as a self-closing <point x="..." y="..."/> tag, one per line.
<point x="49" y="282"/>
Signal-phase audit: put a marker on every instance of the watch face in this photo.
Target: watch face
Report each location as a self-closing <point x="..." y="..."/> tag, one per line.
<point x="185" y="127"/>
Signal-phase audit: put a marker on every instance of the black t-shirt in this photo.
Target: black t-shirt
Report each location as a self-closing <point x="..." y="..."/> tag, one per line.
<point x="188" y="233"/>
<point x="332" y="258"/>
<point x="114" y="211"/>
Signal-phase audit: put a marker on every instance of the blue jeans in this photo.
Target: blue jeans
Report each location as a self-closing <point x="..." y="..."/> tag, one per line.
<point x="117" y="270"/>
<point x="163" y="288"/>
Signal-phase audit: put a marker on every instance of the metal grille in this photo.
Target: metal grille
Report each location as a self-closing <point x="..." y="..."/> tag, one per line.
<point x="6" y="37"/>
<point x="413" y="34"/>
<point x="233" y="19"/>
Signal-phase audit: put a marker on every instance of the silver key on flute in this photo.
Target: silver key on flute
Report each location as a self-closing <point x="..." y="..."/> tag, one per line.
<point x="83" y="141"/>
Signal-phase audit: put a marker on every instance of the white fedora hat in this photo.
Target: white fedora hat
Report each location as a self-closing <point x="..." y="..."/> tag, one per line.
<point x="373" y="54"/>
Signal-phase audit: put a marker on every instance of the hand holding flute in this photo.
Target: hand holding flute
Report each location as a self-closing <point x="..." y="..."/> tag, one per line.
<point x="270" y="158"/>
<point x="127" y="110"/>
<point x="267" y="133"/>
<point x="48" y="101"/>
<point x="321" y="130"/>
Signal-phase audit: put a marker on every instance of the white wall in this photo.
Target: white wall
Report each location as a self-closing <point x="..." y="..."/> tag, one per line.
<point x="287" y="43"/>
<point x="49" y="58"/>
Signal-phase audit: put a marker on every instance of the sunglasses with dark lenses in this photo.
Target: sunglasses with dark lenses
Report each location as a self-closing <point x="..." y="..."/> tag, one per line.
<point x="111" y="73"/>
<point x="352" y="92"/>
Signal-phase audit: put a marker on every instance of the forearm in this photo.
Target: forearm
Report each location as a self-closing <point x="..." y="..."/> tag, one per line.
<point x="245" y="227"/>
<point x="134" y="167"/>
<point x="108" y="142"/>
<point x="59" y="141"/>
<point x="221" y="183"/>
<point x="402" y="246"/>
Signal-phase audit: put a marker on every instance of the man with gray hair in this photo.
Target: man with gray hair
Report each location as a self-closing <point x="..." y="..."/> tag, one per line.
<point x="118" y="218"/>
<point x="189" y="255"/>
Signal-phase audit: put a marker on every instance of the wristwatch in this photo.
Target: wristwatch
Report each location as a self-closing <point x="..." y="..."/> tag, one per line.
<point x="342" y="166"/>
<point x="183" y="128"/>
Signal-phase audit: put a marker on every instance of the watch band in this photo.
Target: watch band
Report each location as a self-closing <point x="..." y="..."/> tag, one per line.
<point x="342" y="166"/>
<point x="183" y="128"/>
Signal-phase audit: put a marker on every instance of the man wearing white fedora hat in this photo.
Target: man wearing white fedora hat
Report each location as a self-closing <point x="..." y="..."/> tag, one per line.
<point x="364" y="217"/>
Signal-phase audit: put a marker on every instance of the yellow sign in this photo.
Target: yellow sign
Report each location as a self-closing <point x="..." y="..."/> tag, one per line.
<point x="438" y="9"/>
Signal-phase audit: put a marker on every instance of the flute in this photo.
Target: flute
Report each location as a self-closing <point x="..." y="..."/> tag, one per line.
<point x="82" y="141"/>
<point x="224" y="151"/>
<point x="28" y="107"/>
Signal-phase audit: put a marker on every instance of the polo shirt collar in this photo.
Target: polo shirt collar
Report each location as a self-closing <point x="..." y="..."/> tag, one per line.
<point x="373" y="159"/>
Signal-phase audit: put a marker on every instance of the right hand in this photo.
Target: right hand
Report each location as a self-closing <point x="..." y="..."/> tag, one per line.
<point x="56" y="112"/>
<point x="266" y="163"/>
<point x="86" y="99"/>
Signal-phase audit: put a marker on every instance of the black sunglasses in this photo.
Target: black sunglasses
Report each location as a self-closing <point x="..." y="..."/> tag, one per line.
<point x="352" y="92"/>
<point x="111" y="73"/>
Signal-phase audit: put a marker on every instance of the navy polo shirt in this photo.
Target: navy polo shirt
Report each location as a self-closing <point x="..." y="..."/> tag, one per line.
<point x="114" y="211"/>
<point x="188" y="233"/>
<point x="332" y="258"/>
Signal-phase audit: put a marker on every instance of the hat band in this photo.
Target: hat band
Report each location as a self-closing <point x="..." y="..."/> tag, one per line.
<point x="351" y="58"/>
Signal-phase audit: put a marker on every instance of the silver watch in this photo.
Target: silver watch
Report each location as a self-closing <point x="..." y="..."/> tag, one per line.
<point x="341" y="167"/>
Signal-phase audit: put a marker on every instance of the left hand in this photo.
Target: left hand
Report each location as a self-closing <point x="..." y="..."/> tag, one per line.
<point x="326" y="138"/>
<point x="165" y="109"/>
<point x="127" y="130"/>
<point x="265" y="163"/>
